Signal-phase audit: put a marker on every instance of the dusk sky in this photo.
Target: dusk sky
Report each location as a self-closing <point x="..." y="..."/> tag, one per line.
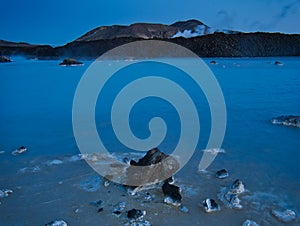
<point x="58" y="22"/>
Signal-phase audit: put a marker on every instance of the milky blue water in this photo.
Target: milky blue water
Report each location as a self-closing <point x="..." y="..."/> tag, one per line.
<point x="36" y="111"/>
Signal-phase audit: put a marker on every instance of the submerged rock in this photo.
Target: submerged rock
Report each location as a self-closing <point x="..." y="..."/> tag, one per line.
<point x="71" y="62"/>
<point x="221" y="174"/>
<point x="97" y="203"/>
<point x="54" y="162"/>
<point x="19" y="150"/>
<point x="278" y="63"/>
<point x="285" y="216"/>
<point x="237" y="187"/>
<point x="210" y="205"/>
<point x="57" y="223"/>
<point x="213" y="62"/>
<point x="250" y="223"/>
<point x="229" y="196"/>
<point x="118" y="209"/>
<point x="183" y="209"/>
<point x="91" y="184"/>
<point x="5" y="192"/>
<point x="172" y="194"/>
<point x="287" y="120"/>
<point x="4" y="59"/>
<point x="153" y="168"/>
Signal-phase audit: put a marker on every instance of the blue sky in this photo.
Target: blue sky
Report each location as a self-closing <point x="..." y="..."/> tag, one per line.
<point x="57" y="22"/>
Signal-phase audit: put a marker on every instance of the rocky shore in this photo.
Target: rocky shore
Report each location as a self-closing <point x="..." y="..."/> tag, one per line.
<point x="192" y="34"/>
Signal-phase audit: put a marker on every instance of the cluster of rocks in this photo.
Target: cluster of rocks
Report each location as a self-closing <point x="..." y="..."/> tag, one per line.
<point x="229" y="196"/>
<point x="133" y="216"/>
<point x="287" y="120"/>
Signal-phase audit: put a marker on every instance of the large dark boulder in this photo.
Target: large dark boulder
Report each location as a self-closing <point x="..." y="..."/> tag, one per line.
<point x="70" y="62"/>
<point x="153" y="168"/>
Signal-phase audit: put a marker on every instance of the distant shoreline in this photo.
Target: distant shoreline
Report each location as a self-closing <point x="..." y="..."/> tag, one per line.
<point x="194" y="35"/>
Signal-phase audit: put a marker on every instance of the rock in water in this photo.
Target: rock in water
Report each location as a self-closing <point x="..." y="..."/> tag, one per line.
<point x="229" y="196"/>
<point x="184" y="209"/>
<point x="213" y="62"/>
<point x="285" y="216"/>
<point x="118" y="209"/>
<point x="210" y="205"/>
<point x="278" y="63"/>
<point x="5" y="192"/>
<point x="19" y="150"/>
<point x="153" y="156"/>
<point x="71" y="62"/>
<point x="250" y="223"/>
<point x="136" y="218"/>
<point x="57" y="223"/>
<point x="4" y="59"/>
<point x="153" y="168"/>
<point x="135" y="214"/>
<point x="221" y="174"/>
<point x="287" y="120"/>
<point x="172" y="194"/>
<point x="237" y="187"/>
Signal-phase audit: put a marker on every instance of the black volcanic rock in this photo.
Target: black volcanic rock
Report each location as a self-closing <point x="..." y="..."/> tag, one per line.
<point x="204" y="41"/>
<point x="4" y="59"/>
<point x="154" y="167"/>
<point x="29" y="50"/>
<point x="70" y="62"/>
<point x="287" y="120"/>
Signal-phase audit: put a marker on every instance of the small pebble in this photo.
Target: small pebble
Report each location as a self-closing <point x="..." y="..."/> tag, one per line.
<point x="57" y="223"/>
<point x="148" y="197"/>
<point x="118" y="209"/>
<point x="183" y="209"/>
<point x="100" y="210"/>
<point x="117" y="213"/>
<point x="136" y="214"/>
<point x="210" y="205"/>
<point x="106" y="183"/>
<point x="221" y="174"/>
